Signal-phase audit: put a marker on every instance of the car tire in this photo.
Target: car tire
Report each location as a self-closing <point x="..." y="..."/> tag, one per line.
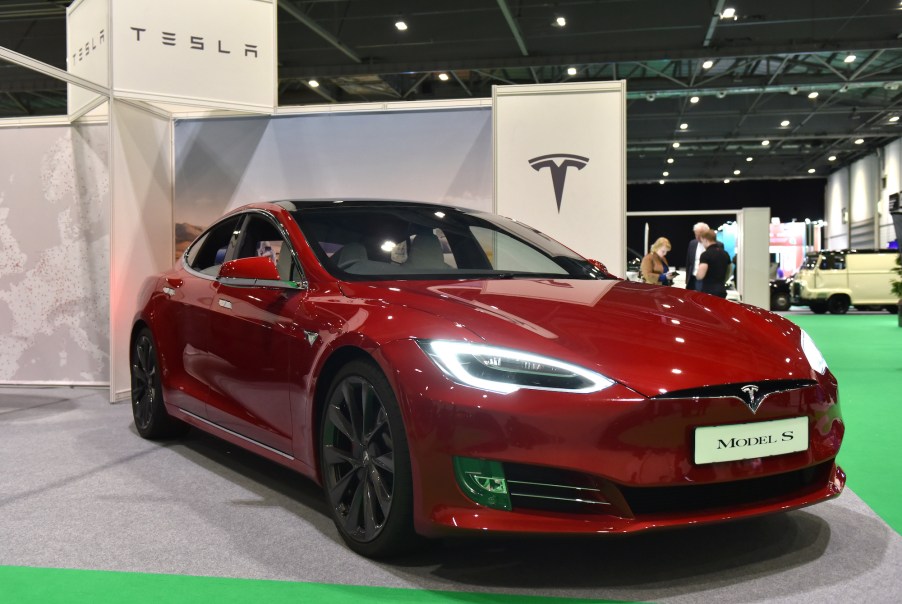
<point x="365" y="463"/>
<point x="838" y="305"/>
<point x="780" y="302"/>
<point x="818" y="308"/>
<point x="151" y="419"/>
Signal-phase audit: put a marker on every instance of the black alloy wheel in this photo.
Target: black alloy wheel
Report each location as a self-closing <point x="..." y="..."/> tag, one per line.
<point x="365" y="463"/>
<point x="151" y="419"/>
<point x="838" y="305"/>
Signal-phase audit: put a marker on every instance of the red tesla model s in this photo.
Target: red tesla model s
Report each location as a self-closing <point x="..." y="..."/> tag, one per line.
<point x="441" y="370"/>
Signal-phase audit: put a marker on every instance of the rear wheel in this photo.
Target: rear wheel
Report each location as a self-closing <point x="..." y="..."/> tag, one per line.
<point x="838" y="305"/>
<point x="151" y="419"/>
<point x="366" y="463"/>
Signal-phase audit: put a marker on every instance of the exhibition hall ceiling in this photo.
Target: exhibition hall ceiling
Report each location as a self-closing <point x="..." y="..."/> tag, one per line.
<point x="717" y="89"/>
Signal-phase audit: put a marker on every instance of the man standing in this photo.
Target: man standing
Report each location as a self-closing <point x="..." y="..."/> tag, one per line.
<point x="695" y="250"/>
<point x="712" y="266"/>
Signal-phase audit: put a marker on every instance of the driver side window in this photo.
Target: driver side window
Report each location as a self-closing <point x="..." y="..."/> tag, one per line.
<point x="211" y="249"/>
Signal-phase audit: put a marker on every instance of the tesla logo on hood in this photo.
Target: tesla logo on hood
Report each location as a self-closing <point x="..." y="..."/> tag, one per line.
<point x="753" y="403"/>
<point x="557" y="164"/>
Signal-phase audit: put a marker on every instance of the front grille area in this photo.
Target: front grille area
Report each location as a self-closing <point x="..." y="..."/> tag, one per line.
<point x="698" y="497"/>
<point x="553" y="490"/>
<point x="567" y="492"/>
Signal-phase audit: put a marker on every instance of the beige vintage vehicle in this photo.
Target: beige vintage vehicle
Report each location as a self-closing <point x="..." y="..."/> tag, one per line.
<point x="835" y="280"/>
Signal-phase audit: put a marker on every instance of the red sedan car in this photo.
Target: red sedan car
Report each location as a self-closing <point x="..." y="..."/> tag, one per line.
<point x="441" y="370"/>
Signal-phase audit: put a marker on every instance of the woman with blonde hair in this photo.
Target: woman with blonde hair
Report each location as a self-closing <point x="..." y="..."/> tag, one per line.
<point x="654" y="268"/>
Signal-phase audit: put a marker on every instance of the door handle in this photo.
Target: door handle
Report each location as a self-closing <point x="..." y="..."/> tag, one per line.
<point x="225" y="303"/>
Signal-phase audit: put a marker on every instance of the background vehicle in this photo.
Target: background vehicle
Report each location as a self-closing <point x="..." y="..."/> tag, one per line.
<point x="835" y="280"/>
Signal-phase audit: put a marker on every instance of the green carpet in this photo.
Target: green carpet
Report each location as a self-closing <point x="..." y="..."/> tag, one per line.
<point x="63" y="586"/>
<point x="864" y="351"/>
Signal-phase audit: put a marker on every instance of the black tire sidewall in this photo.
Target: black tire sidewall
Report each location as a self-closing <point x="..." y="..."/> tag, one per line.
<point x="397" y="535"/>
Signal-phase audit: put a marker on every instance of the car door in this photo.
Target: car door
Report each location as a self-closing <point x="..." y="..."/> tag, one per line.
<point x="255" y="342"/>
<point x="184" y="315"/>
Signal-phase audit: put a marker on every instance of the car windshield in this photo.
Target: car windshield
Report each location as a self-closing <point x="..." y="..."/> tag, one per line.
<point x="378" y="241"/>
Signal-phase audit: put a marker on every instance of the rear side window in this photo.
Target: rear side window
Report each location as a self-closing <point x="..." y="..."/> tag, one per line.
<point x="210" y="250"/>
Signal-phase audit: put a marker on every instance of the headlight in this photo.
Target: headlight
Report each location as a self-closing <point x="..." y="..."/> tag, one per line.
<point x="506" y="371"/>
<point x="814" y="356"/>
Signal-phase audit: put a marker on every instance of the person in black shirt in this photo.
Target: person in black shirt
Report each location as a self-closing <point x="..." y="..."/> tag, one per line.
<point x="712" y="266"/>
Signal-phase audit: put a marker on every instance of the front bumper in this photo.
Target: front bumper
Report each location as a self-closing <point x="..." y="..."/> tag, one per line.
<point x="612" y="461"/>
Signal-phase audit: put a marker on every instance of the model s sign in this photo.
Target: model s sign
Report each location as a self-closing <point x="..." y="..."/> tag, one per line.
<point x="557" y="164"/>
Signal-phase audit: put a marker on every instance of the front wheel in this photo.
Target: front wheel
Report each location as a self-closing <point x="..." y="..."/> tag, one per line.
<point x="365" y="463"/>
<point x="151" y="419"/>
<point x="780" y="302"/>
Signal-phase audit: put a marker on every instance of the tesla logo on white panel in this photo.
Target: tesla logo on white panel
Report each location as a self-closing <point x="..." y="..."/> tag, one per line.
<point x="557" y="164"/>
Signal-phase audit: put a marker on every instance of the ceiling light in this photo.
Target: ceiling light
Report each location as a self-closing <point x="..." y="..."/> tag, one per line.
<point x="708" y="64"/>
<point x="749" y="158"/>
<point x="737" y="172"/>
<point x="811" y="170"/>
<point x="831" y="158"/>
<point x="726" y="181"/>
<point x="765" y="143"/>
<point x="728" y="13"/>
<point x="858" y="141"/>
<point x="784" y="123"/>
<point x="313" y="83"/>
<point x="693" y="100"/>
<point x="571" y="71"/>
<point x="683" y="126"/>
<point x="401" y="25"/>
<point x="660" y="182"/>
<point x="560" y="22"/>
<point x="850" y="58"/>
<point x="443" y="77"/>
<point x="894" y="119"/>
<point x="669" y="160"/>
<point x="665" y="173"/>
<point x="676" y="145"/>
<point x="721" y="94"/>
<point x="650" y="96"/>
<point x="813" y="94"/>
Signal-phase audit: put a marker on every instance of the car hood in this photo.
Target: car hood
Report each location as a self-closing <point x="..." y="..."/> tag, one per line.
<point x="649" y="338"/>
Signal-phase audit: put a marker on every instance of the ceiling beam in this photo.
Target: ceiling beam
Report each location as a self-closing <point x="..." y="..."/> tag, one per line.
<point x="514" y="27"/>
<point x="316" y="28"/>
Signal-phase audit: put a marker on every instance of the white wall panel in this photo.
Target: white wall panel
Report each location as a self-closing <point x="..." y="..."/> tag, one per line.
<point x="836" y="207"/>
<point x="142" y="242"/>
<point x="439" y="156"/>
<point x="892" y="170"/>
<point x="560" y="164"/>
<point x="54" y="255"/>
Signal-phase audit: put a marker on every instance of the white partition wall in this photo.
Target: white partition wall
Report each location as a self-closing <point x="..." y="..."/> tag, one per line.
<point x="54" y="253"/>
<point x="857" y="200"/>
<point x="753" y="252"/>
<point x="560" y="164"/>
<point x="560" y="153"/>
<point x="141" y="164"/>
<point x="420" y="153"/>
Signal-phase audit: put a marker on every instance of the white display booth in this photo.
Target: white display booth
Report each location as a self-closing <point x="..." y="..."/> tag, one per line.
<point x="109" y="196"/>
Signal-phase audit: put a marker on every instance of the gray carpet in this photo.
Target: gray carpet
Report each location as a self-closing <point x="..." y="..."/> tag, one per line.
<point x="80" y="489"/>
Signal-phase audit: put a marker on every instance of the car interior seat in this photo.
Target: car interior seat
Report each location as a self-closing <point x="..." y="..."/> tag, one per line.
<point x="426" y="252"/>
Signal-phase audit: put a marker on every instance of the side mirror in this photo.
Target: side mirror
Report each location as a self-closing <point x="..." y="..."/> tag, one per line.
<point x="257" y="271"/>
<point x="601" y="268"/>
